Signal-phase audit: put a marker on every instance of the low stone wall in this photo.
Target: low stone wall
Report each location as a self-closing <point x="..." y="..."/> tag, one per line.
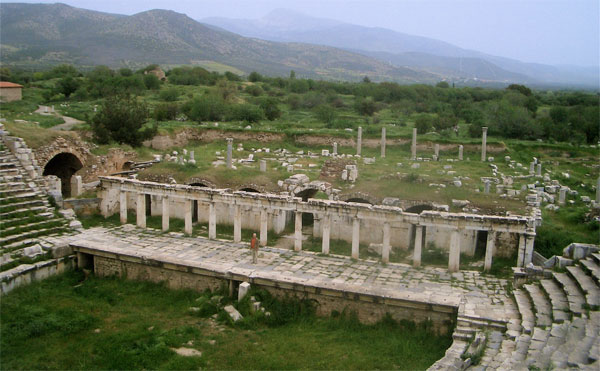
<point x="26" y="273"/>
<point x="369" y="307"/>
<point x="83" y="206"/>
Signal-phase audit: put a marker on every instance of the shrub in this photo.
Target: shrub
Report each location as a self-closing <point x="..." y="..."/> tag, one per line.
<point x="169" y="95"/>
<point x="166" y="111"/>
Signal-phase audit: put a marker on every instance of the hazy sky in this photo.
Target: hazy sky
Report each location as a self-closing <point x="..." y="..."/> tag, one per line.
<point x="545" y="31"/>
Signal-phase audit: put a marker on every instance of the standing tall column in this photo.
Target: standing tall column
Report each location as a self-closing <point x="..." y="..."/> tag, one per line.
<point x="521" y="251"/>
<point x="460" y="152"/>
<point x="187" y="216"/>
<point x="538" y="170"/>
<point x="298" y="231"/>
<point x="385" y="249"/>
<point x="562" y="194"/>
<point x="529" y="240"/>
<point x="598" y="191"/>
<point x="263" y="227"/>
<point x="418" y="246"/>
<point x="436" y="151"/>
<point x="489" y="250"/>
<point x="355" y="238"/>
<point x="483" y="142"/>
<point x="237" y="224"/>
<point x="326" y="233"/>
<point x="141" y="210"/>
<point x="212" y="221"/>
<point x="123" y="207"/>
<point x="454" y="259"/>
<point x="383" y="142"/>
<point x="413" y="147"/>
<point x="359" y="141"/>
<point x="335" y="148"/>
<point x="165" y="214"/>
<point x="229" y="153"/>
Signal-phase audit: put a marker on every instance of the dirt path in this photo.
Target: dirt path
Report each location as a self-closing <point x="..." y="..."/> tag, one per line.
<point x="69" y="122"/>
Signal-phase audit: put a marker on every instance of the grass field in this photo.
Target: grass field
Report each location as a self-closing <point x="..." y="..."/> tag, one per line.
<point x="74" y="322"/>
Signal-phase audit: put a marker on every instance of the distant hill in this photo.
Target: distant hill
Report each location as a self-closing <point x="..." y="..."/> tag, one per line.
<point x="42" y="34"/>
<point x="402" y="49"/>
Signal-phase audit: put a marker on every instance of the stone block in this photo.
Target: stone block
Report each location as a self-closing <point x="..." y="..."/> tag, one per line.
<point x="243" y="290"/>
<point x="233" y="313"/>
<point x="61" y="250"/>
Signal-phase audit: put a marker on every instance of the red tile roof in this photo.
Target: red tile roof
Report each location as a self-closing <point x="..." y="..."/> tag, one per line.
<point x="6" y="84"/>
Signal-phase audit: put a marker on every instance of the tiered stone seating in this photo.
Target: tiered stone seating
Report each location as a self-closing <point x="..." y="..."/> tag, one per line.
<point x="560" y="324"/>
<point x="25" y="212"/>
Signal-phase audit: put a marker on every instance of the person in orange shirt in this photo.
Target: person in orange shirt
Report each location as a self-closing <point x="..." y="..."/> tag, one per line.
<point x="254" y="248"/>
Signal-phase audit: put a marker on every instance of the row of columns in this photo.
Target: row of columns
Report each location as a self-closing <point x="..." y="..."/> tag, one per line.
<point x="525" y="251"/>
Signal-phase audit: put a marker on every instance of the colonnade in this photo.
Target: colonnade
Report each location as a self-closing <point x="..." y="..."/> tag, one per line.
<point x="324" y="210"/>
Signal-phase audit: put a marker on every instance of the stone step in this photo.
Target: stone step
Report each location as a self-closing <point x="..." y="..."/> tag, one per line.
<point x="9" y="171"/>
<point x="25" y="210"/>
<point x="574" y="336"/>
<point x="558" y="300"/>
<point x="11" y="178"/>
<point x="30" y="226"/>
<point x="7" y="165"/>
<point x="592" y="268"/>
<point x="23" y="219"/>
<point x="580" y="354"/>
<point x="521" y="348"/>
<point x="480" y="323"/>
<point x="19" y="244"/>
<point x="463" y="333"/>
<point x="538" y="342"/>
<point x="524" y="305"/>
<point x="451" y="359"/>
<point x="492" y="349"/>
<point x="10" y="185"/>
<point x="575" y="297"/>
<point x="555" y="340"/>
<point x="596" y="257"/>
<point x="587" y="285"/>
<point x="24" y="204"/>
<point x="541" y="305"/>
<point x="594" y="353"/>
<point x="14" y="191"/>
<point x="30" y="234"/>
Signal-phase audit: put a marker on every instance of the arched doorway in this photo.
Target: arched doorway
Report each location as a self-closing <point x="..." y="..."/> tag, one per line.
<point x="359" y="200"/>
<point x="248" y="189"/>
<point x="418" y="209"/>
<point x="64" y="165"/>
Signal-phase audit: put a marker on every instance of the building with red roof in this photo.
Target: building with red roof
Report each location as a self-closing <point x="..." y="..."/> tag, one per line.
<point x="10" y="91"/>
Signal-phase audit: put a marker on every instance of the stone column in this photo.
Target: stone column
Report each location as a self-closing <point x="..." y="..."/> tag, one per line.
<point x="123" y="207"/>
<point x="359" y="141"/>
<point x="413" y="147"/>
<point x="298" y="231"/>
<point x="263" y="227"/>
<point x="436" y="151"/>
<point x="530" y="239"/>
<point x="385" y="249"/>
<point x="212" y="221"/>
<point x="165" y="213"/>
<point x="521" y="251"/>
<point x="326" y="223"/>
<point x="598" y="190"/>
<point x="454" y="259"/>
<point x="538" y="170"/>
<point x="489" y="250"/>
<point x="562" y="195"/>
<point x="460" y="152"/>
<point x="237" y="223"/>
<point x="187" y="216"/>
<point x="335" y="148"/>
<point x="531" y="168"/>
<point x="229" y="153"/>
<point x="483" y="142"/>
<point x="418" y="246"/>
<point x="355" y="238"/>
<point x="76" y="186"/>
<point x="141" y="210"/>
<point x="383" y="143"/>
<point x="486" y="187"/>
<point x="263" y="165"/>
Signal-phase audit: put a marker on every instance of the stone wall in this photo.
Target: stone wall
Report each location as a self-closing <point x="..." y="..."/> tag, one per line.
<point x="369" y="308"/>
<point x="10" y="94"/>
<point x="24" y="274"/>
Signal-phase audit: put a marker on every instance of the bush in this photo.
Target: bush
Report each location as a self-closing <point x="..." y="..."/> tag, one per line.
<point x="169" y="95"/>
<point x="246" y="112"/>
<point x="254" y="90"/>
<point x="209" y="107"/>
<point x="122" y="119"/>
<point x="270" y="108"/>
<point x="166" y="111"/>
<point x="424" y="123"/>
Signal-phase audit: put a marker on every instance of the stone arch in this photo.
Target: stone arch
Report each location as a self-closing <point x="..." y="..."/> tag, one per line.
<point x="360" y="197"/>
<point x="418" y="209"/>
<point x="64" y="165"/>
<point x="253" y="188"/>
<point x="201" y="182"/>
<point x="127" y="165"/>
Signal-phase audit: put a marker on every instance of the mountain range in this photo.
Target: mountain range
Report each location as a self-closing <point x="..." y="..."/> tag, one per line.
<point x="39" y="35"/>
<point x="400" y="49"/>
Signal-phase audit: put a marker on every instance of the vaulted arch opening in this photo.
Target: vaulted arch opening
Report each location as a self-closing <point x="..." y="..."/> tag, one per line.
<point x="418" y="209"/>
<point x="249" y="189"/>
<point x="63" y="165"/>
<point x="359" y="200"/>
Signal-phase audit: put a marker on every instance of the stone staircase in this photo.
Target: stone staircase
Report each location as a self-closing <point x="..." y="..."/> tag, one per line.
<point x="26" y="215"/>
<point x="560" y="323"/>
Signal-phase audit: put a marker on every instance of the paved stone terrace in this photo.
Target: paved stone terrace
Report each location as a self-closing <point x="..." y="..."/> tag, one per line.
<point x="475" y="294"/>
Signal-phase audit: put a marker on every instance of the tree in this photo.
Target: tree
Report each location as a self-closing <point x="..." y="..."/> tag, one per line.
<point x="254" y="77"/>
<point x="424" y="123"/>
<point x="169" y="95"/>
<point x="443" y="85"/>
<point x="122" y="119"/>
<point x="520" y="88"/>
<point x="366" y="107"/>
<point x="67" y="86"/>
<point x="151" y="81"/>
<point x="326" y="113"/>
<point x="271" y="109"/>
